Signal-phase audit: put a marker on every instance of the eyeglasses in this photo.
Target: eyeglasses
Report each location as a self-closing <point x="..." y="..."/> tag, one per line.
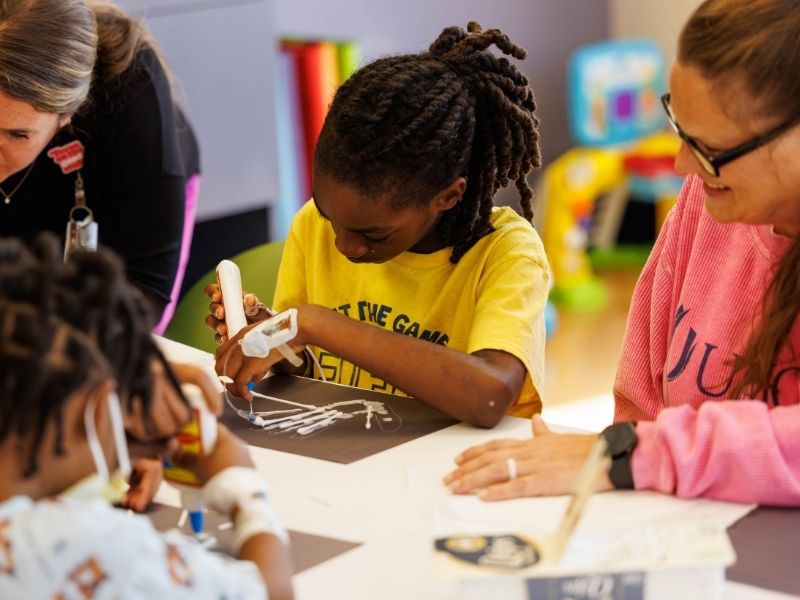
<point x="712" y="164"/>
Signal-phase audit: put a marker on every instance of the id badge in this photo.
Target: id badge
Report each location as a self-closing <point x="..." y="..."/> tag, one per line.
<point x="82" y="234"/>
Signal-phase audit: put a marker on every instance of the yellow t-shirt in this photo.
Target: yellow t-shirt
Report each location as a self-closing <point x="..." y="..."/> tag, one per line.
<point x="493" y="298"/>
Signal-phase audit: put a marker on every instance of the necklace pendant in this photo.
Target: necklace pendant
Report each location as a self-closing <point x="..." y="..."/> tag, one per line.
<point x="7" y="197"/>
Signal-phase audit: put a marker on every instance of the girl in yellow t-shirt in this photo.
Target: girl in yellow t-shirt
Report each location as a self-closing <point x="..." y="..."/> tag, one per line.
<point x="404" y="275"/>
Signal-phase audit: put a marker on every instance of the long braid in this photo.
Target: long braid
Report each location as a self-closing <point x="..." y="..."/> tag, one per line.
<point x="62" y="326"/>
<point x="405" y="127"/>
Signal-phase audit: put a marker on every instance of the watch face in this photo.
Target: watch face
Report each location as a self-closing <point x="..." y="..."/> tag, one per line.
<point x="621" y="438"/>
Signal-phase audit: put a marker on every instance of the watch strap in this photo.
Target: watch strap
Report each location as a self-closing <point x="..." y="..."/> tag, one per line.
<point x="621" y="441"/>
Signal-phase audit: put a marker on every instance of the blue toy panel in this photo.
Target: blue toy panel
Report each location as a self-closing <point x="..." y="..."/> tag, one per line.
<point x="614" y="90"/>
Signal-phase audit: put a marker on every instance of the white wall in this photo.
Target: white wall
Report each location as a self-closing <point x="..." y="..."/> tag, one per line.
<point x="659" y="20"/>
<point x="221" y="52"/>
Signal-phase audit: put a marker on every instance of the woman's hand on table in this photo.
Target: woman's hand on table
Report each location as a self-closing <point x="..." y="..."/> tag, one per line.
<point x="546" y="465"/>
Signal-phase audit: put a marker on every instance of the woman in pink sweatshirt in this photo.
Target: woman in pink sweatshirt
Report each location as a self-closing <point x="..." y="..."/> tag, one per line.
<point x="708" y="385"/>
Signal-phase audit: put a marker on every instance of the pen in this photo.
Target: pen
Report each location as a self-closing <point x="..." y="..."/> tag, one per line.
<point x="596" y="463"/>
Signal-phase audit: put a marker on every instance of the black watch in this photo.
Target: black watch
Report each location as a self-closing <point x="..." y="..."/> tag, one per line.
<point x="620" y="441"/>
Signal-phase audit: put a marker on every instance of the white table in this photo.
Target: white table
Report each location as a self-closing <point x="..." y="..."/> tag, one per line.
<point x="386" y="502"/>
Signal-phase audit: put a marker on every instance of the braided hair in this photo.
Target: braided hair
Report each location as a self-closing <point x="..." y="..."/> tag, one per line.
<point x="405" y="127"/>
<point x="62" y="326"/>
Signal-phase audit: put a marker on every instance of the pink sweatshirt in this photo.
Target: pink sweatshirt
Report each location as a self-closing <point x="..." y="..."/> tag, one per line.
<point x="693" y="309"/>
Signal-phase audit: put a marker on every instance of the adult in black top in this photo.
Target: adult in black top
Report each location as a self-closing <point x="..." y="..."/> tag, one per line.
<point x="138" y="150"/>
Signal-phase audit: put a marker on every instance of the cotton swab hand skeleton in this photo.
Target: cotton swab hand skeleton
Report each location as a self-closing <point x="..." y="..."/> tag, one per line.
<point x="302" y="419"/>
<point x="314" y="418"/>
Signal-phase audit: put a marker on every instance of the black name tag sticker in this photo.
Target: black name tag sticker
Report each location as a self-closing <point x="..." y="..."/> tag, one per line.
<point x="509" y="552"/>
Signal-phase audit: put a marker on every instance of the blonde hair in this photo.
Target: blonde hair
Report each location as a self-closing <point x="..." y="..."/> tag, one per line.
<point x="76" y="41"/>
<point x="754" y="44"/>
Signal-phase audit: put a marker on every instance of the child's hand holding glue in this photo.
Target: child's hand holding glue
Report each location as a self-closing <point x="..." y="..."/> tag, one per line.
<point x="199" y="438"/>
<point x="223" y="478"/>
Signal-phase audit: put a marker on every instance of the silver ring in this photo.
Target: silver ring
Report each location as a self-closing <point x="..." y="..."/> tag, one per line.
<point x="511" y="464"/>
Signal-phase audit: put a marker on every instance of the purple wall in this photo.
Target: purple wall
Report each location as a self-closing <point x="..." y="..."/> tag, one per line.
<point x="547" y="29"/>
